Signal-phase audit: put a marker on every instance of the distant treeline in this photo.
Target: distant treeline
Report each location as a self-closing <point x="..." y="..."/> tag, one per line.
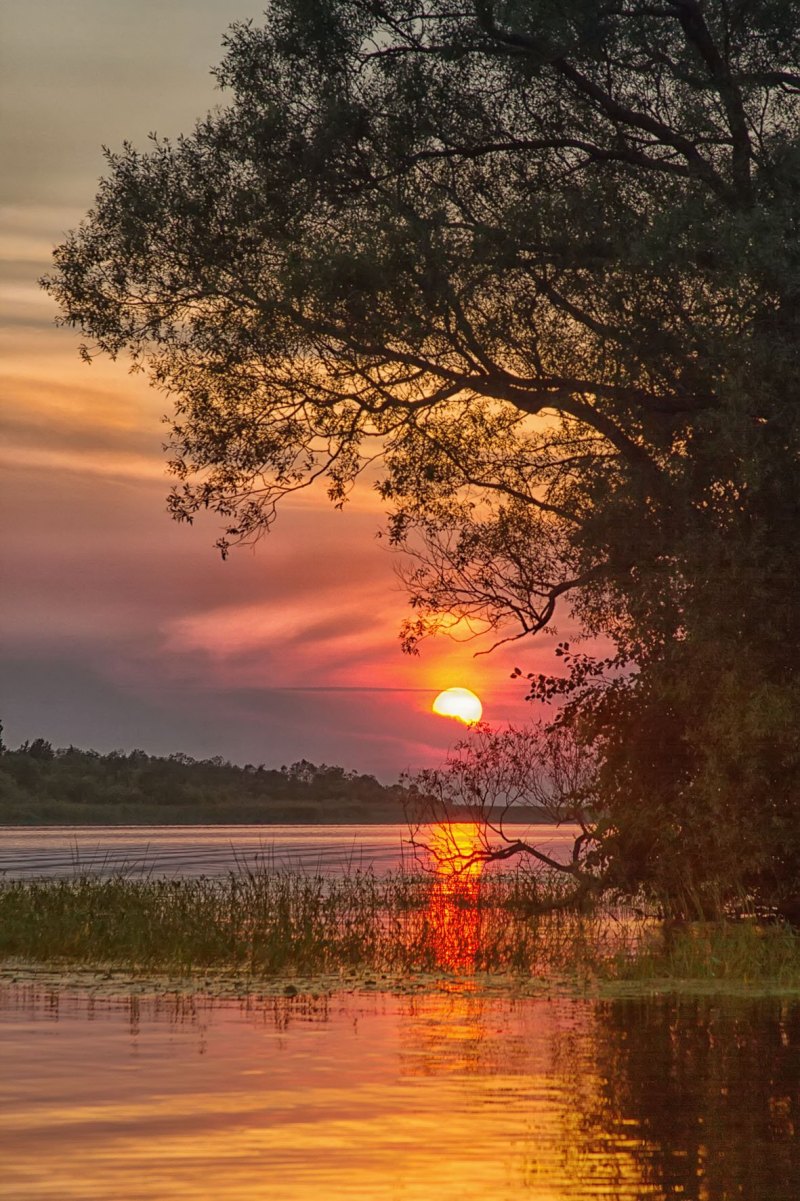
<point x="42" y="785"/>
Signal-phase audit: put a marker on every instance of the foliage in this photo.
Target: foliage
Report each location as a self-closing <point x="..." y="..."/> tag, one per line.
<point x="543" y="259"/>
<point x="40" y="785"/>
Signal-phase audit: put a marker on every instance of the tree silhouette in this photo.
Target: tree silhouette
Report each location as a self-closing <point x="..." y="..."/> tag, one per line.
<point x="541" y="259"/>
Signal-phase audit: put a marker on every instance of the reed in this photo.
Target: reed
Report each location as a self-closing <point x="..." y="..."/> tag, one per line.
<point x="273" y="923"/>
<point x="740" y="952"/>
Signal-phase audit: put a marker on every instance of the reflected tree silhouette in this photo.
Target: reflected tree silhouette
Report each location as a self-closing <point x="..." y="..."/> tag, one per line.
<point x="705" y="1092"/>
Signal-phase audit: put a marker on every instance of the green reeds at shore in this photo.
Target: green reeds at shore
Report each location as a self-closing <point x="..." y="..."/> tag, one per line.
<point x="281" y="924"/>
<point x="738" y="953"/>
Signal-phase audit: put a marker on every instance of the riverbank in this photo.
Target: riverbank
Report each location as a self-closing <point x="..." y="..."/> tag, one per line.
<point x="65" y="815"/>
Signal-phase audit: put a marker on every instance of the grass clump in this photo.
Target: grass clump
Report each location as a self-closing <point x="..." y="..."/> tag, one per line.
<point x="742" y="952"/>
<point x="263" y="923"/>
<point x="270" y="924"/>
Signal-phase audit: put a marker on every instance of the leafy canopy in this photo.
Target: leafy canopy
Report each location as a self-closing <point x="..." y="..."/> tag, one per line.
<point x="541" y="258"/>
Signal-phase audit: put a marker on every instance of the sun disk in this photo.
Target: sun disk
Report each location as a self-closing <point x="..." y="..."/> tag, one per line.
<point x="460" y="703"/>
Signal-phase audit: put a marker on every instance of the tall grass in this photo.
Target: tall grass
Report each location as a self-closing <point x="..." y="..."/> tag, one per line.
<point x="280" y="923"/>
<point x="735" y="952"/>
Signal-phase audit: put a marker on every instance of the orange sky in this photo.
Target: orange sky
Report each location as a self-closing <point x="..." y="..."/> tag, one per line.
<point x="121" y="628"/>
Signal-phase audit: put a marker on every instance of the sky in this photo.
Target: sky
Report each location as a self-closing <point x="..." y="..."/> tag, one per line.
<point x="121" y="629"/>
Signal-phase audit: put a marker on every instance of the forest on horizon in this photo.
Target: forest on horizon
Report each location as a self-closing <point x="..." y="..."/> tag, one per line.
<point x="45" y="785"/>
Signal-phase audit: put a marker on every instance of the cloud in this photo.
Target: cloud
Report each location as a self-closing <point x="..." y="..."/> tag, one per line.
<point x="122" y="628"/>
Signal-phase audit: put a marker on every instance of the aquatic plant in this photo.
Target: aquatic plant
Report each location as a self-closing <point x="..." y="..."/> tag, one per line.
<point x="271" y="923"/>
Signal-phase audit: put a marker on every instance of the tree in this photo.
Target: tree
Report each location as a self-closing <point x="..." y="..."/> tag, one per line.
<point x="542" y="258"/>
<point x="467" y="813"/>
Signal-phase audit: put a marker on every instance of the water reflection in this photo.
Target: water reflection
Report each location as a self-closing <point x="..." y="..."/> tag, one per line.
<point x="453" y="911"/>
<point x="457" y="1094"/>
<point x="722" y="1121"/>
<point x="216" y="850"/>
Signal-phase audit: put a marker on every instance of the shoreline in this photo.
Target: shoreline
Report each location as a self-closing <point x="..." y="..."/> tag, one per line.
<point x="399" y="822"/>
<point x="114" y="982"/>
<point x="267" y="933"/>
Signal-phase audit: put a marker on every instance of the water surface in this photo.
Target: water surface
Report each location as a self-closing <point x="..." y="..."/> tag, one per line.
<point x="449" y="1095"/>
<point x="217" y="850"/>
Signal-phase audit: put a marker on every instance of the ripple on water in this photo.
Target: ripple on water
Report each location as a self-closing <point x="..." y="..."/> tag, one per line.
<point x="450" y="1094"/>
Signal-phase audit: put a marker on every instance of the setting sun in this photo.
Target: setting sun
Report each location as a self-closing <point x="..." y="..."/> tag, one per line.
<point x="460" y="703"/>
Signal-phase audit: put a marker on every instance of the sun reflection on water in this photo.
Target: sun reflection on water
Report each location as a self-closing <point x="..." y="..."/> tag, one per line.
<point x="453" y="912"/>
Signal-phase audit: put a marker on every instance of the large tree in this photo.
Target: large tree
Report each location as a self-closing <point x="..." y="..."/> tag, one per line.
<point x="541" y="257"/>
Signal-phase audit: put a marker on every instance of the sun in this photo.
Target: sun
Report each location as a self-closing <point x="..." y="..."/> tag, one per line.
<point x="460" y="703"/>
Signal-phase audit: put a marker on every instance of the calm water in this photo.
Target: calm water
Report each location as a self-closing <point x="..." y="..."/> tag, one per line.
<point x="216" y="850"/>
<point x="455" y="1094"/>
<point x="444" y="1096"/>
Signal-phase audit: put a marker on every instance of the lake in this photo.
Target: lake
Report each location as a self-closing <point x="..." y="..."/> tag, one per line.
<point x="117" y="1092"/>
<point x="449" y="1095"/>
<point x="217" y="850"/>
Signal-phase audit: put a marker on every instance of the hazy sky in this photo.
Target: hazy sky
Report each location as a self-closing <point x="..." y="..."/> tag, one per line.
<point x="120" y="628"/>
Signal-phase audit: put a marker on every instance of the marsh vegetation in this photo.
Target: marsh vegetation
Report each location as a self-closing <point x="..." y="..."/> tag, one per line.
<point x="270" y="924"/>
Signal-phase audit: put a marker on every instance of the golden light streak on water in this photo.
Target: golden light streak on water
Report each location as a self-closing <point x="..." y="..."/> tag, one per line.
<point x="453" y="908"/>
<point x="457" y="1095"/>
<point x="356" y="1099"/>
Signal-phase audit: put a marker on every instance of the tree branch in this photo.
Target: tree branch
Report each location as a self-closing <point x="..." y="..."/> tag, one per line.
<point x="698" y="35"/>
<point x="619" y="113"/>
